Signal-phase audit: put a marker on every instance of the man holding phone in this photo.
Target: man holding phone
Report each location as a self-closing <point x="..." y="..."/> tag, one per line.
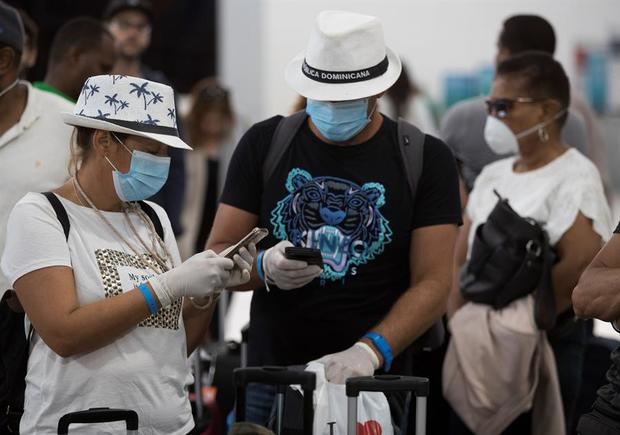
<point x="341" y="187"/>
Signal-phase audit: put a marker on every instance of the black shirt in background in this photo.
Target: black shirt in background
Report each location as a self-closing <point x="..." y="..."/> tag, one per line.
<point x="353" y="203"/>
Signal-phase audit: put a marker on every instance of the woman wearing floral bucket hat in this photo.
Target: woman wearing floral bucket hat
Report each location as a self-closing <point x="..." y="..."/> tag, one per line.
<point x="115" y="312"/>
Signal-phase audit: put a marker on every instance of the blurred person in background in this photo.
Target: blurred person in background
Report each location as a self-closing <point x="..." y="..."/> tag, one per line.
<point x="213" y="130"/>
<point x="406" y="100"/>
<point x="546" y="180"/>
<point x="31" y="47"/>
<point x="130" y="22"/>
<point x="81" y="48"/>
<point x="34" y="142"/>
<point x="462" y="127"/>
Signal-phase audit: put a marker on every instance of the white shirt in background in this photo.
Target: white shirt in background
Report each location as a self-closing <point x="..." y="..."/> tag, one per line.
<point x="146" y="369"/>
<point x="552" y="194"/>
<point x="34" y="154"/>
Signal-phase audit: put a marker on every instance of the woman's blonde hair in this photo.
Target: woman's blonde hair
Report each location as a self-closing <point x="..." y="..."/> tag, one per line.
<point x="80" y="146"/>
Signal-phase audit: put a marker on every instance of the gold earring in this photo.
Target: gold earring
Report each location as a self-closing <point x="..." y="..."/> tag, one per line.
<point x="543" y="135"/>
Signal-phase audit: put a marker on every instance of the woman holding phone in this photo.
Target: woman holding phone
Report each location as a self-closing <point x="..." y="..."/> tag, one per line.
<point x="115" y="312"/>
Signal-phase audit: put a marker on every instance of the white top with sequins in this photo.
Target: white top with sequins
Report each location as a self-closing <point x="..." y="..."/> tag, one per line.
<point x="145" y="370"/>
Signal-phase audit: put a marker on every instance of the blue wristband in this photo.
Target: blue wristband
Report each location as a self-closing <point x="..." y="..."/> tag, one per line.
<point x="150" y="302"/>
<point x="259" y="266"/>
<point x="383" y="347"/>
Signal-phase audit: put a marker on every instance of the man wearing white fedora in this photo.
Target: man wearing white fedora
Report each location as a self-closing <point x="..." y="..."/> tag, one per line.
<point x="340" y="184"/>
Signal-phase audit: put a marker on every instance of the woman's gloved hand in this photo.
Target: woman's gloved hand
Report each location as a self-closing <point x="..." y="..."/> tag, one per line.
<point x="198" y="276"/>
<point x="240" y="274"/>
<point x="287" y="274"/>
<point x="358" y="360"/>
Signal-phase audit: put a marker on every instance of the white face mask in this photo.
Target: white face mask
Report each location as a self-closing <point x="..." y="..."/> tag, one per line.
<point x="502" y="140"/>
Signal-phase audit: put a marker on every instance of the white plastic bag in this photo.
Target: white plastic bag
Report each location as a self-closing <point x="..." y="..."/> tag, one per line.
<point x="330" y="409"/>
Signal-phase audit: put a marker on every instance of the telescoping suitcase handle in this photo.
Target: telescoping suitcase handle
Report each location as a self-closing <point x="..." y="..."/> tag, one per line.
<point x="387" y="384"/>
<point x="281" y="377"/>
<point x="99" y="415"/>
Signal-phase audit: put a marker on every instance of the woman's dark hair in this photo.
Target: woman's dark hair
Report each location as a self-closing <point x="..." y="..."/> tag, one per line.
<point x="525" y="33"/>
<point x="541" y="75"/>
<point x="81" y="142"/>
<point x="207" y="95"/>
<point x="400" y="92"/>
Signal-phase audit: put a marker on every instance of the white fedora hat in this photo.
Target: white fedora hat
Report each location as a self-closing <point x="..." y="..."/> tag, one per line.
<point x="346" y="59"/>
<point x="128" y="105"/>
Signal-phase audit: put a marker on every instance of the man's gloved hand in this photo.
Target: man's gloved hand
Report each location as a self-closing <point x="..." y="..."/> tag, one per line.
<point x="358" y="360"/>
<point x="198" y="276"/>
<point x="243" y="266"/>
<point x="287" y="274"/>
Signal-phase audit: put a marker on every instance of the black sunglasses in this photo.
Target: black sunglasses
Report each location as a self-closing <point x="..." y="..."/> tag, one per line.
<point x="501" y="106"/>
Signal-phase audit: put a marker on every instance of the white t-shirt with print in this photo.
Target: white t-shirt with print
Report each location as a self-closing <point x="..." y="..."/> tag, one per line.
<point x="147" y="369"/>
<point x="553" y="194"/>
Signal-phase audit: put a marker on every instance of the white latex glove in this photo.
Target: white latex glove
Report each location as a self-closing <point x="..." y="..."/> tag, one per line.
<point x="198" y="276"/>
<point x="287" y="274"/>
<point x="358" y="360"/>
<point x="243" y="266"/>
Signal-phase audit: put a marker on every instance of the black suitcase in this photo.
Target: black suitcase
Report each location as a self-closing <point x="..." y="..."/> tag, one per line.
<point x="99" y="415"/>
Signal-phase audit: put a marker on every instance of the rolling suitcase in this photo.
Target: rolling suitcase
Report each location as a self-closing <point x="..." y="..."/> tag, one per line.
<point x="387" y="384"/>
<point x="99" y="415"/>
<point x="281" y="378"/>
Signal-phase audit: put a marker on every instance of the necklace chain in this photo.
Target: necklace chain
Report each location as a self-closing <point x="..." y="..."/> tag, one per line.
<point x="161" y="260"/>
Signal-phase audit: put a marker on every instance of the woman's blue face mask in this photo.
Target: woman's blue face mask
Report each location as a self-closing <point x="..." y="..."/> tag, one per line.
<point x="147" y="175"/>
<point x="341" y="120"/>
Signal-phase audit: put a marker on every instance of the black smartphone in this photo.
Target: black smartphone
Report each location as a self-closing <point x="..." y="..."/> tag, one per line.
<point x="311" y="256"/>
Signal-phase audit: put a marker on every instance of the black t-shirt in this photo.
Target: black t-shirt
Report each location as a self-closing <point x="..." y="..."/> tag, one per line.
<point x="353" y="203"/>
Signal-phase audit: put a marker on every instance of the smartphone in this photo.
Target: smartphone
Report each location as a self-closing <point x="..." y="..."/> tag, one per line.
<point x="254" y="236"/>
<point x="311" y="256"/>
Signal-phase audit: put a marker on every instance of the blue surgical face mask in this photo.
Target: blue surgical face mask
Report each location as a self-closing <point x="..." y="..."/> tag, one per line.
<point x="341" y="120"/>
<point x="147" y="175"/>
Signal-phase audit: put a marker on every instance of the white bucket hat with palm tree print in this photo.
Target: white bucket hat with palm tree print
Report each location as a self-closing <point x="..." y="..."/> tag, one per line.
<point x="129" y="105"/>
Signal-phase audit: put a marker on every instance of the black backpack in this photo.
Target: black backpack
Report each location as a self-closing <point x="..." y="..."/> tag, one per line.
<point x="411" y="143"/>
<point x="15" y="343"/>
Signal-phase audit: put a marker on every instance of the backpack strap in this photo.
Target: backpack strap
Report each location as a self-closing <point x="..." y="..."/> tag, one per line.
<point x="154" y="217"/>
<point x="283" y="136"/>
<point x="411" y="144"/>
<point x="61" y="213"/>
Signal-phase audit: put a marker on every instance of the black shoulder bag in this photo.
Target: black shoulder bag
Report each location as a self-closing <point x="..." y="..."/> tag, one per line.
<point x="510" y="258"/>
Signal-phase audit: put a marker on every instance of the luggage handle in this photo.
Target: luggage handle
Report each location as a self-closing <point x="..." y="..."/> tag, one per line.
<point x="387" y="384"/>
<point x="98" y="415"/>
<point x="279" y="377"/>
<point x="274" y="375"/>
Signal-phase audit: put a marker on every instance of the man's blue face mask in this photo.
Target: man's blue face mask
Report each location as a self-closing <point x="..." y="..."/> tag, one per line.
<point x="341" y="120"/>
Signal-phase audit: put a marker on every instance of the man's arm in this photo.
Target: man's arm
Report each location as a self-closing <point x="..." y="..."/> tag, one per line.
<point x="431" y="258"/>
<point x="456" y="300"/>
<point x="230" y="225"/>
<point x="598" y="292"/>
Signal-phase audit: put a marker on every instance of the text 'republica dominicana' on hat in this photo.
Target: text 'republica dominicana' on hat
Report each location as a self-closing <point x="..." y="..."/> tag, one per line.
<point x="346" y="59"/>
<point x="130" y="105"/>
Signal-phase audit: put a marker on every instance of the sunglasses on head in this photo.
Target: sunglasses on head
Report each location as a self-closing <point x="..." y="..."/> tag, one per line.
<point x="501" y="106"/>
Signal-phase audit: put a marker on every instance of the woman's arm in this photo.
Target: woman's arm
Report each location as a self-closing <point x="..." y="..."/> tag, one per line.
<point x="598" y="292"/>
<point x="49" y="298"/>
<point x="576" y="249"/>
